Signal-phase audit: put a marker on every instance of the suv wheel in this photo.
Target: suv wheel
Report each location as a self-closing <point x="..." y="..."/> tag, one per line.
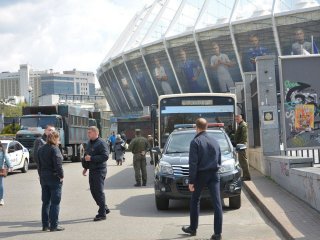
<point x="162" y="203"/>
<point x="25" y="167"/>
<point x="235" y="202"/>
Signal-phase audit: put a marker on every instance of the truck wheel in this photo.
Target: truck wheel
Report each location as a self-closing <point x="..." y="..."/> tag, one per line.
<point x="162" y="203"/>
<point x="235" y="202"/>
<point x="25" y="167"/>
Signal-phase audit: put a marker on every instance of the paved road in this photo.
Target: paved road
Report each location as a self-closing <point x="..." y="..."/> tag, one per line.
<point x="133" y="213"/>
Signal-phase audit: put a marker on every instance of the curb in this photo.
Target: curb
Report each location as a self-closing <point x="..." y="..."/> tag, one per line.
<point x="272" y="217"/>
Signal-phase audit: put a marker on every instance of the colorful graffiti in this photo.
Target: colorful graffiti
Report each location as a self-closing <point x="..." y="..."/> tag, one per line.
<point x="301" y="114"/>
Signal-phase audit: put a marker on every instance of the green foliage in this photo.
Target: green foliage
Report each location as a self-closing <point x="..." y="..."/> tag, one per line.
<point x="10" y="129"/>
<point x="12" y="111"/>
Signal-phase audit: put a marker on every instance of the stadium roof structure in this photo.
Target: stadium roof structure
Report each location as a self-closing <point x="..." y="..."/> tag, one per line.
<point x="216" y="41"/>
<point x="166" y="19"/>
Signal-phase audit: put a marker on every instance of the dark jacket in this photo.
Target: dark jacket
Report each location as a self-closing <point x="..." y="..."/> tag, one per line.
<point x="204" y="155"/>
<point x="50" y="161"/>
<point x="39" y="142"/>
<point x="99" y="151"/>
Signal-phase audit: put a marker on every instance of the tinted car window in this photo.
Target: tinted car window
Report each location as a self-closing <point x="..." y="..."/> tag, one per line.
<point x="180" y="142"/>
<point x="17" y="146"/>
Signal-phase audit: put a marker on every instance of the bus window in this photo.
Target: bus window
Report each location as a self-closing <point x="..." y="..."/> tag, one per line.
<point x="186" y="108"/>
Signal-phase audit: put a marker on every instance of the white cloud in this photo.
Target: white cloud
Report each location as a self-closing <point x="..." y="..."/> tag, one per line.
<point x="61" y="34"/>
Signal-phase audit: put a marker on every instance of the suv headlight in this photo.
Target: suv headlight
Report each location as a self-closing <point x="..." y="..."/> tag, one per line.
<point x="227" y="166"/>
<point x="165" y="168"/>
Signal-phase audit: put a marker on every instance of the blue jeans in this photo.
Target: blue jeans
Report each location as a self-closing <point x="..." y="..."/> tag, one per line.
<point x="212" y="181"/>
<point x="51" y="197"/>
<point x="1" y="187"/>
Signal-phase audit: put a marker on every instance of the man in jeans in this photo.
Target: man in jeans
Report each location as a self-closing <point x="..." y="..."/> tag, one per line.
<point x="139" y="146"/>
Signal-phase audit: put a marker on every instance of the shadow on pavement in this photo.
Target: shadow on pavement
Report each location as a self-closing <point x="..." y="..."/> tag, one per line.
<point x="33" y="224"/>
<point x="125" y="178"/>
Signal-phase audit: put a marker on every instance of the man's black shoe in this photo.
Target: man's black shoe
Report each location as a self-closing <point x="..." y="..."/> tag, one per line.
<point x="189" y="230"/>
<point x="144" y="184"/>
<point x="45" y="229"/>
<point x="216" y="237"/>
<point x="99" y="218"/>
<point x="107" y="210"/>
<point x="137" y="185"/>
<point x="57" y="229"/>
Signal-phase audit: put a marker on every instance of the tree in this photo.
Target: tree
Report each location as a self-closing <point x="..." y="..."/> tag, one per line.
<point x="10" y="129"/>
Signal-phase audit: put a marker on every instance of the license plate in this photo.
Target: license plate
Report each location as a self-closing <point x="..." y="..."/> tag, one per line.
<point x="186" y="181"/>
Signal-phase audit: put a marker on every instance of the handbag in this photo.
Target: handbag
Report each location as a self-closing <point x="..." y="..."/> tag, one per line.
<point x="3" y="172"/>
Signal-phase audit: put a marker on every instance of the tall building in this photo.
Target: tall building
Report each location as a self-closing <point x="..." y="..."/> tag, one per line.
<point x="70" y="82"/>
<point x="32" y="84"/>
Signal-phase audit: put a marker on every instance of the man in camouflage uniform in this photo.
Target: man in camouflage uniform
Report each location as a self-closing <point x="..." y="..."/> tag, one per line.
<point x="139" y="146"/>
<point x="241" y="137"/>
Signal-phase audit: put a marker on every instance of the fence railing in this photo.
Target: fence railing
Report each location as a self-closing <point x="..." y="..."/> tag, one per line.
<point x="313" y="153"/>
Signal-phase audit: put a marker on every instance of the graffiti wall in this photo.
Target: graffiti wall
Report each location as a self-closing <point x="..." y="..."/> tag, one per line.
<point x="300" y="91"/>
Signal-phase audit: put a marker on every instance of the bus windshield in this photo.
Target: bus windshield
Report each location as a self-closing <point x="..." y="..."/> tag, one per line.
<point x="36" y="121"/>
<point x="186" y="108"/>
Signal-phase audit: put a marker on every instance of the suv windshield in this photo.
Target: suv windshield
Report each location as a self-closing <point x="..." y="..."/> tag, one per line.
<point x="180" y="142"/>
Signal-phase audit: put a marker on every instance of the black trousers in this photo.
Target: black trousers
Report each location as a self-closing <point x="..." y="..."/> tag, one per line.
<point x="212" y="181"/>
<point x="96" y="182"/>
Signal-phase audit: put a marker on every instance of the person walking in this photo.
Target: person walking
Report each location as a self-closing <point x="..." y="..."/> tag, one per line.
<point x="40" y="141"/>
<point x="150" y="141"/>
<point x="119" y="149"/>
<point x="241" y="137"/>
<point x="204" y="163"/>
<point x="51" y="178"/>
<point x="139" y="146"/>
<point x="112" y="140"/>
<point x="96" y="156"/>
<point x="4" y="163"/>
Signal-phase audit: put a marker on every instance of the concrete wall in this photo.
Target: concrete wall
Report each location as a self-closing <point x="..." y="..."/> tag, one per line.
<point x="298" y="176"/>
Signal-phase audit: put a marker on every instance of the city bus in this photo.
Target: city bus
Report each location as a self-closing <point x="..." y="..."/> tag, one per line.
<point x="187" y="107"/>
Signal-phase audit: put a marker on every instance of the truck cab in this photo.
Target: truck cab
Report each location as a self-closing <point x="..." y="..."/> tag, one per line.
<point x="32" y="127"/>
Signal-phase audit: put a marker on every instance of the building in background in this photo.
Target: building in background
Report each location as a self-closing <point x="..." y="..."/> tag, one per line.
<point x="32" y="84"/>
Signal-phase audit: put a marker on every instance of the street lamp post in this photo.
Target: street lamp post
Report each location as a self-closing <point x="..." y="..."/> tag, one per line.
<point x="29" y="90"/>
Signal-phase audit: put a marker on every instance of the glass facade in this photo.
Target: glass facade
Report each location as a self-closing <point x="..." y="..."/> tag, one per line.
<point x="190" y="46"/>
<point x="53" y="87"/>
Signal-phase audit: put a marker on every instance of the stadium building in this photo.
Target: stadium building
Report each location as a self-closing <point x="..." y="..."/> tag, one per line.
<point x="185" y="46"/>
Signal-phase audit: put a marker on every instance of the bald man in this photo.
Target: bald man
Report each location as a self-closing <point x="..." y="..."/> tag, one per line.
<point x="204" y="164"/>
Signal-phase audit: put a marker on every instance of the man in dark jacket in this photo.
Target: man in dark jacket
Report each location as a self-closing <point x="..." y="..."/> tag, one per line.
<point x="204" y="163"/>
<point x="95" y="160"/>
<point x="40" y="141"/>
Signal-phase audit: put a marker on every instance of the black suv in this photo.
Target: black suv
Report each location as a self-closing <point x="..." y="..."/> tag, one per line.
<point x="172" y="172"/>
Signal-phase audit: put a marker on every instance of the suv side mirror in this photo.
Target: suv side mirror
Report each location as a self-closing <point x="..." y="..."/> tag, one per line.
<point x="156" y="150"/>
<point x="240" y="147"/>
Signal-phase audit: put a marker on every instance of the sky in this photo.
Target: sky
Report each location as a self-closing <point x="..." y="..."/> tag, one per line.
<point x="61" y="34"/>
